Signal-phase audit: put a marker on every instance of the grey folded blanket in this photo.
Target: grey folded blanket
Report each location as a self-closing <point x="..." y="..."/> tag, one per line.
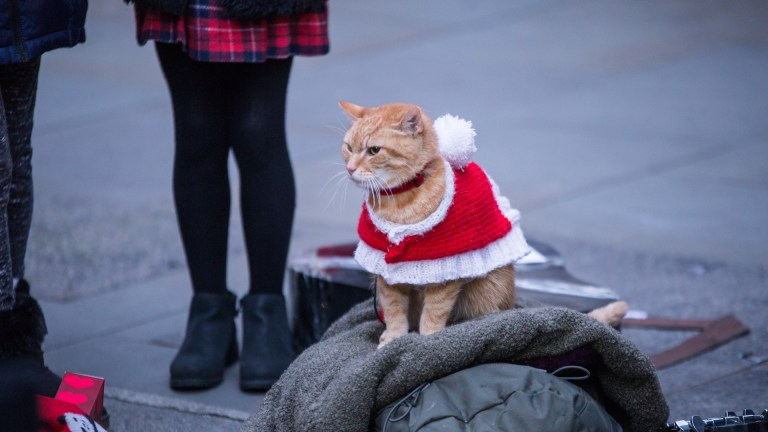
<point x="340" y="383"/>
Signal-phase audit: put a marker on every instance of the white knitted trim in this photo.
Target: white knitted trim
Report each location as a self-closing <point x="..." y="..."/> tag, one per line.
<point x="506" y="250"/>
<point x="397" y="232"/>
<point x="504" y="205"/>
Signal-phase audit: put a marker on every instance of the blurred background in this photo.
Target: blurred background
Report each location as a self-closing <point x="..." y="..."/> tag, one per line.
<point x="633" y="137"/>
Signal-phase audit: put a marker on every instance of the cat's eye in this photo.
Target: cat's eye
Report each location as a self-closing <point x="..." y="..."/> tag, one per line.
<point x="373" y="150"/>
<point x="348" y="147"/>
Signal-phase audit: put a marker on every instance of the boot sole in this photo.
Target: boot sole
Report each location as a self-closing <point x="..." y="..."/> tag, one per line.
<point x="194" y="383"/>
<point x="257" y="384"/>
<point x="197" y="383"/>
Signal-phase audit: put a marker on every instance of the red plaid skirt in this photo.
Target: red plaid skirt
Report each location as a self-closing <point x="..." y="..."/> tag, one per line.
<point x="206" y="35"/>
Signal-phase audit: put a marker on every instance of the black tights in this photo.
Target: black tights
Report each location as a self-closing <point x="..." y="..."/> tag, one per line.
<point x="218" y="107"/>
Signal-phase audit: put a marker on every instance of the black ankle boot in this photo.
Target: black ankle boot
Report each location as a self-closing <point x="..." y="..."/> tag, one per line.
<point x="22" y="330"/>
<point x="267" y="350"/>
<point x="210" y="344"/>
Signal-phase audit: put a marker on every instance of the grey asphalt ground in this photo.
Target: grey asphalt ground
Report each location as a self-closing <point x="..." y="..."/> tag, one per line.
<point x="633" y="137"/>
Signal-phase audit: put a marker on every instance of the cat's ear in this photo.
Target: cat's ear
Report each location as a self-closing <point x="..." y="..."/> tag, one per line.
<point x="412" y="121"/>
<point x="354" y="111"/>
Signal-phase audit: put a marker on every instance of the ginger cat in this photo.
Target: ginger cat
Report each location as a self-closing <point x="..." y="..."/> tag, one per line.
<point x="434" y="228"/>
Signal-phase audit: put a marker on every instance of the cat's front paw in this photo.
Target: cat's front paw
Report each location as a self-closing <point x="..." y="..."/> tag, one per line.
<point x="611" y="314"/>
<point x="388" y="336"/>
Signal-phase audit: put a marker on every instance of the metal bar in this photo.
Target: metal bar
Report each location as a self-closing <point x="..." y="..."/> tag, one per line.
<point x="667" y="323"/>
<point x="717" y="333"/>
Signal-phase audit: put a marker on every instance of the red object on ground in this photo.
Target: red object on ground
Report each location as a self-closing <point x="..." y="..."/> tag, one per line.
<point x="84" y="391"/>
<point x="49" y="410"/>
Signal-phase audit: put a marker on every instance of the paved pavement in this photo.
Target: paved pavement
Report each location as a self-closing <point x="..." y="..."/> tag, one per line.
<point x="631" y="135"/>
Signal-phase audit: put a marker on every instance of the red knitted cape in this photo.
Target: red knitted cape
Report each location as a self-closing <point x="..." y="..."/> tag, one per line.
<point x="474" y="221"/>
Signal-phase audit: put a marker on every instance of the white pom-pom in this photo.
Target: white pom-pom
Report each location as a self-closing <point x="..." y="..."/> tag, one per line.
<point x="455" y="140"/>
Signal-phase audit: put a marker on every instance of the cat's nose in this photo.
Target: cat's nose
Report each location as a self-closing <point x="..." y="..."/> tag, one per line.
<point x="350" y="169"/>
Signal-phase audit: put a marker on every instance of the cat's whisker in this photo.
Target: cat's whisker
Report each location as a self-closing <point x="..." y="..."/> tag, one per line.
<point x="336" y="181"/>
<point x="339" y="178"/>
<point x="379" y="187"/>
<point x="373" y="185"/>
<point x="340" y="174"/>
<point x="376" y="200"/>
<point x="384" y="187"/>
<point x="333" y="163"/>
<point x="344" y="196"/>
<point x="341" y="129"/>
<point x="342" y="123"/>
<point x="369" y="191"/>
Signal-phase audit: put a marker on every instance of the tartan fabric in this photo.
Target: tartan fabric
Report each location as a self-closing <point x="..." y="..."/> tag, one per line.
<point x="207" y="35"/>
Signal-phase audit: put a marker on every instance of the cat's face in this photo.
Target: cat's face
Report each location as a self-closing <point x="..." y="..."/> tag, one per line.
<point x="387" y="145"/>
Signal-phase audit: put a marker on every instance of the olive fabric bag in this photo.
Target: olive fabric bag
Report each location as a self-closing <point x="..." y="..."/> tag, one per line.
<point x="496" y="397"/>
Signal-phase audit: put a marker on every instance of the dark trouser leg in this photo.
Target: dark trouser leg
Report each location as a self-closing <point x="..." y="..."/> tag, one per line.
<point x="22" y="324"/>
<point x="202" y="197"/>
<point x="18" y="89"/>
<point x="257" y="96"/>
<point x="200" y="178"/>
<point x="22" y="329"/>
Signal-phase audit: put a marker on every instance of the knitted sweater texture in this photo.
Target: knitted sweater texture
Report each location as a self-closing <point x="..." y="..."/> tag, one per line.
<point x="473" y="232"/>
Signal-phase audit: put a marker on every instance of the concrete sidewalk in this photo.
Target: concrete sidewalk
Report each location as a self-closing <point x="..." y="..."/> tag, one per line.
<point x="632" y="136"/>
